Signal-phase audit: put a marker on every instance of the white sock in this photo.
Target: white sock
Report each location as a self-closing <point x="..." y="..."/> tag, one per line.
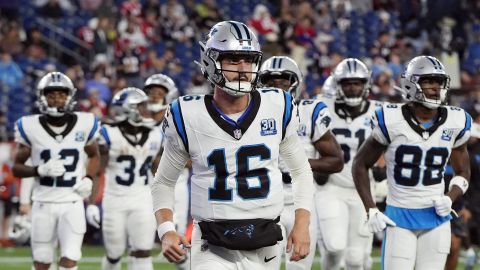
<point x="140" y="263"/>
<point x="71" y="268"/>
<point x="107" y="265"/>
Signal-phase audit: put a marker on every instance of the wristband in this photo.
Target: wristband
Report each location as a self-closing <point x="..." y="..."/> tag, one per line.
<point x="164" y="228"/>
<point x="460" y="182"/>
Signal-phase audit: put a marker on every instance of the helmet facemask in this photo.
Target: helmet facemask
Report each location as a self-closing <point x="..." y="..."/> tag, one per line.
<point x="420" y="97"/>
<point x="425" y="67"/>
<point x="54" y="111"/>
<point x="167" y="86"/>
<point x="129" y="105"/>
<point x="353" y="100"/>
<point x="236" y="87"/>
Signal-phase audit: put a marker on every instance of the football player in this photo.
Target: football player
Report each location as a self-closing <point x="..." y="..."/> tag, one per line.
<point x="59" y="142"/>
<point x="161" y="90"/>
<point x="234" y="138"/>
<point x="130" y="150"/>
<point x="339" y="209"/>
<point x="417" y="139"/>
<point x="323" y="151"/>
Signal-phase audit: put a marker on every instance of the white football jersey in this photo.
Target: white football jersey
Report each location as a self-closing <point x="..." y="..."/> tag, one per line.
<point x="34" y="132"/>
<point x="128" y="171"/>
<point x="234" y="163"/>
<point x="350" y="134"/>
<point x="416" y="157"/>
<point x="315" y="120"/>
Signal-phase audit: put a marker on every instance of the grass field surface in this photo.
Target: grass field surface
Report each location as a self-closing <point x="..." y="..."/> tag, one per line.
<point x="20" y="259"/>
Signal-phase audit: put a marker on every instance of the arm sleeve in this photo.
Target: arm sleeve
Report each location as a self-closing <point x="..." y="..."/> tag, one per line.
<point x="465" y="133"/>
<point x="94" y="131"/>
<point x="20" y="135"/>
<point x="294" y="156"/>
<point x="379" y="130"/>
<point x="320" y="121"/>
<point x="171" y="166"/>
<point x="26" y="188"/>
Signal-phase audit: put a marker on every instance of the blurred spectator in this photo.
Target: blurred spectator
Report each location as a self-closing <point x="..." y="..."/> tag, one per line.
<point x="305" y="32"/>
<point x="99" y="85"/>
<point x="206" y="15"/>
<point x="34" y="39"/>
<point x="128" y="62"/>
<point x="10" y="73"/>
<point x="263" y="23"/>
<point x="472" y="55"/>
<point x="101" y="42"/>
<point x="54" y="8"/>
<point x="3" y="127"/>
<point x="90" y="5"/>
<point x="9" y="9"/>
<point x="381" y="46"/>
<point x="383" y="88"/>
<point x="175" y="24"/>
<point x="167" y="63"/>
<point x="93" y="103"/>
<point x="132" y="36"/>
<point x="152" y="6"/>
<point x="131" y="8"/>
<point x="9" y="195"/>
<point x="11" y="41"/>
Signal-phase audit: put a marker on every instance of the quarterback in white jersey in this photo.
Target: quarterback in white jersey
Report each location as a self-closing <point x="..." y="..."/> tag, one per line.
<point x="234" y="139"/>
<point x="418" y="138"/>
<point x="59" y="143"/>
<point x="339" y="209"/>
<point x="130" y="149"/>
<point x="321" y="148"/>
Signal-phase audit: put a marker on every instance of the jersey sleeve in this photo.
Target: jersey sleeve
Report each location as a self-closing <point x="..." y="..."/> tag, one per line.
<point x="465" y="133"/>
<point x="94" y="131"/>
<point x="379" y="127"/>
<point x="321" y="120"/>
<point x="291" y="119"/>
<point x="173" y="128"/>
<point x="20" y="134"/>
<point x="104" y="138"/>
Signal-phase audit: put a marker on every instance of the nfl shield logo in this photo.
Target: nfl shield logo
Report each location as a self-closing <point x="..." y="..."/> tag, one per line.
<point x="80" y="136"/>
<point x="237" y="133"/>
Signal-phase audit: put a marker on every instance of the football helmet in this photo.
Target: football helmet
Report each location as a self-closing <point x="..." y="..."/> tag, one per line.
<point x="421" y="67"/>
<point x="165" y="82"/>
<point x="351" y="68"/>
<point x="285" y="68"/>
<point x="55" y="81"/>
<point x="125" y="106"/>
<point x="230" y="39"/>
<point x="20" y="229"/>
<point x="329" y="88"/>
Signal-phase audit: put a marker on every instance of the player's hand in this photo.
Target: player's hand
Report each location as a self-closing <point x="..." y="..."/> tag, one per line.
<point x="443" y="205"/>
<point x="93" y="215"/>
<point x="377" y="221"/>
<point x="299" y="242"/>
<point x="84" y="187"/>
<point x="171" y="246"/>
<point x="53" y="167"/>
<point x="25" y="208"/>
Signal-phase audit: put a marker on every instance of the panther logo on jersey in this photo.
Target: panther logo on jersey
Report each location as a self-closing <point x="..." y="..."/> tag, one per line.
<point x="268" y="127"/>
<point x="326" y="121"/>
<point x="79" y="136"/>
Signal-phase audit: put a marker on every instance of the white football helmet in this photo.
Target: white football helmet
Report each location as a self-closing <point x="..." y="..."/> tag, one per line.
<point x="20" y="229"/>
<point x="282" y="67"/>
<point x="55" y="81"/>
<point x="351" y="68"/>
<point x="125" y="107"/>
<point x="329" y="88"/>
<point x="420" y="67"/>
<point x="165" y="82"/>
<point x="229" y="39"/>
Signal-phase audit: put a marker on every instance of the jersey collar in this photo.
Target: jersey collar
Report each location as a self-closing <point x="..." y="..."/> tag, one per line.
<point x="234" y="129"/>
<point x="415" y="125"/>
<point x="58" y="137"/>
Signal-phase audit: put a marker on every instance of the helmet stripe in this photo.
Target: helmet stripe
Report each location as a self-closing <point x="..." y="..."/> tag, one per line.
<point x="354" y="66"/>
<point x="349" y="67"/>
<point x="237" y="29"/>
<point x="280" y="62"/>
<point x="433" y="62"/>
<point x="246" y="31"/>
<point x="274" y="62"/>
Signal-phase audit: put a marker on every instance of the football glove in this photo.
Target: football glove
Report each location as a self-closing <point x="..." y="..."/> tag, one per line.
<point x="93" y="215"/>
<point x="377" y="221"/>
<point x="84" y="187"/>
<point x="52" y="168"/>
<point x="443" y="205"/>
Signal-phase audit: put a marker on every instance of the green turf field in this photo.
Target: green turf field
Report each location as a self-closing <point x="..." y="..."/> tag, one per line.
<point x="19" y="259"/>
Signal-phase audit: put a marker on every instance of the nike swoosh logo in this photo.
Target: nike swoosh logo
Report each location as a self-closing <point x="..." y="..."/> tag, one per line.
<point x="269" y="259"/>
